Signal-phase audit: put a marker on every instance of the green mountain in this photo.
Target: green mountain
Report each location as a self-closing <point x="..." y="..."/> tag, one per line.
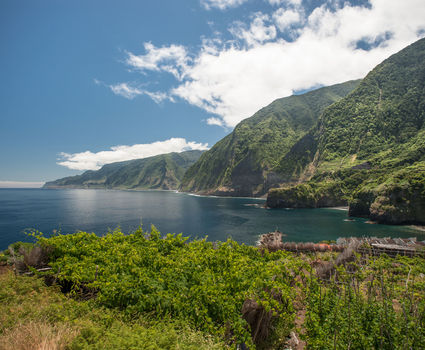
<point x="163" y="172"/>
<point x="368" y="149"/>
<point x="244" y="163"/>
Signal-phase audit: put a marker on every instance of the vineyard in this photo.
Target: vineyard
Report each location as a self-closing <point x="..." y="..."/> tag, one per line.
<point x="237" y="296"/>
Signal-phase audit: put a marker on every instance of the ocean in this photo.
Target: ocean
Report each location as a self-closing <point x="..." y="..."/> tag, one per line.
<point x="64" y="211"/>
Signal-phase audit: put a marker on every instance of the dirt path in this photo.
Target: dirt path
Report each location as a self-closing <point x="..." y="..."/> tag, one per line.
<point x="295" y="342"/>
<point x="4" y="269"/>
<point x="299" y="324"/>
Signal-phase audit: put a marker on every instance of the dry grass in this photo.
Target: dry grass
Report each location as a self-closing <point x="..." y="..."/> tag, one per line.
<point x="34" y="256"/>
<point x="327" y="268"/>
<point x="37" y="336"/>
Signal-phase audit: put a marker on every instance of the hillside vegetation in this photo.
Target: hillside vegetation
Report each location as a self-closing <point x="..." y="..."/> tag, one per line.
<point x="244" y="162"/>
<point x="358" y="143"/>
<point x="163" y="172"/>
<point x="144" y="291"/>
<point x="35" y="316"/>
<point x="367" y="150"/>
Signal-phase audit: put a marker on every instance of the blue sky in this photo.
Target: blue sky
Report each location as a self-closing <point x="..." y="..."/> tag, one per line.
<point x="85" y="83"/>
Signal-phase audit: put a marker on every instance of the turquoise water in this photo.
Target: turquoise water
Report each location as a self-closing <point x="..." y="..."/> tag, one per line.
<point x="241" y="219"/>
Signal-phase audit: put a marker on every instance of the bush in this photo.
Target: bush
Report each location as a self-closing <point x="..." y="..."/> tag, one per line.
<point x="200" y="282"/>
<point x="34" y="316"/>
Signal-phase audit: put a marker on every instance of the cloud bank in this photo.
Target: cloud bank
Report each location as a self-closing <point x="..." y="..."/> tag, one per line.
<point x="20" y="184"/>
<point x="277" y="53"/>
<point x="94" y="161"/>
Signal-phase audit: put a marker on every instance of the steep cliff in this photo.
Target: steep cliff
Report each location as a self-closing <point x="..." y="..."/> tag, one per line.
<point x="245" y="162"/>
<point x="369" y="147"/>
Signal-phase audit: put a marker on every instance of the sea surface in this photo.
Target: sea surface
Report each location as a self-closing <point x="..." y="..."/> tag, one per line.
<point x="242" y="219"/>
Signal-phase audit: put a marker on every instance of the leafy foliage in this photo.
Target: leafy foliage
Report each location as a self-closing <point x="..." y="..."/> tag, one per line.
<point x="200" y="282"/>
<point x="386" y="109"/>
<point x="166" y="293"/>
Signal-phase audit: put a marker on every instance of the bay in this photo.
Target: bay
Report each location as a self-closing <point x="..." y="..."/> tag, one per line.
<point x="242" y="219"/>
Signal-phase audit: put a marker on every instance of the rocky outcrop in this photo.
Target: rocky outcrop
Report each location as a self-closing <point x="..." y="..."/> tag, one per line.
<point x="391" y="204"/>
<point x="301" y="196"/>
<point x="359" y="206"/>
<point x="305" y="196"/>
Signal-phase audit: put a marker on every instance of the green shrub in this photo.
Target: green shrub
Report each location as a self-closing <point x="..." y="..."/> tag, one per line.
<point x="200" y="282"/>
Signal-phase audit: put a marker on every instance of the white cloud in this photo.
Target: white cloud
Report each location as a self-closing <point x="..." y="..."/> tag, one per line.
<point x="221" y="4"/>
<point x="92" y="161"/>
<point x="20" y="184"/>
<point x="129" y="92"/>
<point x="258" y="32"/>
<point x="285" y="2"/>
<point x="158" y="96"/>
<point x="125" y="90"/>
<point x="286" y="18"/>
<point x="233" y="79"/>
<point x="215" y="121"/>
<point x="172" y="59"/>
<point x="234" y="82"/>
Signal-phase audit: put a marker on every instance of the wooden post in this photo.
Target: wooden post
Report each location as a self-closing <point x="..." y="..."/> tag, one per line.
<point x="57" y="275"/>
<point x="12" y="251"/>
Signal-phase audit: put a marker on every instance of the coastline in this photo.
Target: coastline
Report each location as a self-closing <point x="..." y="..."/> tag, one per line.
<point x="343" y="208"/>
<point x="147" y="190"/>
<point x="418" y="227"/>
<point x="215" y="196"/>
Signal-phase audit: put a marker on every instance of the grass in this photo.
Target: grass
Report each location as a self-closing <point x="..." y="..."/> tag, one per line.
<point x="34" y="316"/>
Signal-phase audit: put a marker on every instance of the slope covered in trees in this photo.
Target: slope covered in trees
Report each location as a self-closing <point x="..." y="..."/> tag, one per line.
<point x="244" y="162"/>
<point x="368" y="149"/>
<point x="164" y="172"/>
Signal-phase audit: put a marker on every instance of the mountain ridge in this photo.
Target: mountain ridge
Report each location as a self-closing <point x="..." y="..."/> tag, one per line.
<point x="243" y="162"/>
<point x="163" y="172"/>
<point x="368" y="149"/>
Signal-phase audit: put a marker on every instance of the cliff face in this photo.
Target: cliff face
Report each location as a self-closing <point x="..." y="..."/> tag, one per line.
<point x="246" y="162"/>
<point x="369" y="147"/>
<point x="399" y="200"/>
<point x="163" y="172"/>
<point x="398" y="205"/>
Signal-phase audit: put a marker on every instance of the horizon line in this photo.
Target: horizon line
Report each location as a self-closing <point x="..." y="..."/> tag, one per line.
<point x="21" y="184"/>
